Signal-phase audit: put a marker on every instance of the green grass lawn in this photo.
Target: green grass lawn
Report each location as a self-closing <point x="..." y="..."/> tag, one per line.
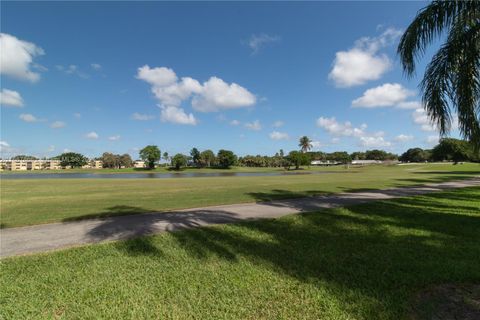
<point x="35" y="201"/>
<point x="362" y="262"/>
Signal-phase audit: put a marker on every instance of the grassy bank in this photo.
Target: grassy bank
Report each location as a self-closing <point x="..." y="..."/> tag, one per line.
<point x="27" y="202"/>
<point x="362" y="262"/>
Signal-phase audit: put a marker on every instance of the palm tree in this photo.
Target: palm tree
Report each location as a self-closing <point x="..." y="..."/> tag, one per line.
<point x="305" y="144"/>
<point x="451" y="83"/>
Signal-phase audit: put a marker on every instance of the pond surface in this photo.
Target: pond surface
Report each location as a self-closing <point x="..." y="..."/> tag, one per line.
<point x="152" y="175"/>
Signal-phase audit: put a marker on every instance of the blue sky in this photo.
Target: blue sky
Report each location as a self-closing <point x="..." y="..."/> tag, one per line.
<point x="251" y="77"/>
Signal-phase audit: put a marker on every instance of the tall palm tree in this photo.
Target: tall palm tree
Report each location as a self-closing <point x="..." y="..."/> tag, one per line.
<point x="305" y="144"/>
<point x="451" y="83"/>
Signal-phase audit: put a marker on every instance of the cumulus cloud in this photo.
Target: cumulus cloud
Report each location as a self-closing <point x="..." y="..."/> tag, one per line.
<point x="57" y="124"/>
<point x="278" y="124"/>
<point x="217" y="95"/>
<point x="275" y="135"/>
<point x="258" y="41"/>
<point x="176" y="115"/>
<point x="72" y="70"/>
<point x="91" y="135"/>
<point x="10" y="98"/>
<point x="420" y="117"/>
<point x="17" y="58"/>
<point x="255" y="125"/>
<point x="211" y="96"/>
<point x="142" y="117"/>
<point x="96" y="66"/>
<point x="234" y="122"/>
<point x="374" y="142"/>
<point x="363" y="62"/>
<point x="432" y="140"/>
<point x="386" y="95"/>
<point x="332" y="126"/>
<point x="77" y="115"/>
<point x="403" y="138"/>
<point x="346" y="129"/>
<point x="114" y="138"/>
<point x="28" y="117"/>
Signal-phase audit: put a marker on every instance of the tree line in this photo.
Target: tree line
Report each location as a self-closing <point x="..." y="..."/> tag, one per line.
<point x="448" y="149"/>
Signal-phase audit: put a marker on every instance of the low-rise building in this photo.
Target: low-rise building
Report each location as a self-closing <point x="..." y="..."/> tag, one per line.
<point x="23" y="165"/>
<point x="139" y="164"/>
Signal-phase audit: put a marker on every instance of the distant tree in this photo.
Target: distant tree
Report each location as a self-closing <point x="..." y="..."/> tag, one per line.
<point x="376" y="155"/>
<point x="72" y="159"/>
<point x="151" y="155"/>
<point x="358" y="156"/>
<point x="179" y="160"/>
<point x="454" y="150"/>
<point x="24" y="157"/>
<point x="414" y="155"/>
<point x="207" y="158"/>
<point x="165" y="157"/>
<point x="298" y="159"/>
<point x="126" y="161"/>
<point x="226" y="158"/>
<point x="305" y="144"/>
<point x="110" y="160"/>
<point x="195" y="154"/>
<point x="281" y="153"/>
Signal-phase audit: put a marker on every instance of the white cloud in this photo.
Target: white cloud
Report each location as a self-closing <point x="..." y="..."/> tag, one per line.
<point x="432" y="140"/>
<point x="27" y="117"/>
<point x="4" y="144"/>
<point x="403" y="138"/>
<point x="217" y="95"/>
<point x="158" y="77"/>
<point x="255" y="125"/>
<point x="211" y="96"/>
<point x="142" y="117"/>
<point x="96" y="66"/>
<point x="10" y="98"/>
<point x="332" y="126"/>
<point x="409" y="105"/>
<point x="420" y="117"/>
<point x="374" y="142"/>
<point x="67" y="150"/>
<point x="57" y="124"/>
<point x="363" y="62"/>
<point x="317" y="144"/>
<point x="386" y="95"/>
<point x="77" y="115"/>
<point x="177" y="115"/>
<point x="234" y="122"/>
<point x="114" y="138"/>
<point x="275" y="135"/>
<point x="91" y="135"/>
<point x="17" y="57"/>
<point x="258" y="41"/>
<point x="278" y="124"/>
<point x="72" y="70"/>
<point x="346" y="129"/>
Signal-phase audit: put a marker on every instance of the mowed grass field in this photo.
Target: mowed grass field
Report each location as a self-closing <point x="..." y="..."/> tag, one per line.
<point x="361" y="262"/>
<point x="36" y="201"/>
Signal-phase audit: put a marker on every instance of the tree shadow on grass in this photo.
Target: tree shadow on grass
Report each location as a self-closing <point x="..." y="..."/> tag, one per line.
<point x="385" y="251"/>
<point x="120" y="210"/>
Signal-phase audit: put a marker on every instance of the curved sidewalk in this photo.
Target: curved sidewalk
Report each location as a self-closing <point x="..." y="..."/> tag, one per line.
<point x="46" y="237"/>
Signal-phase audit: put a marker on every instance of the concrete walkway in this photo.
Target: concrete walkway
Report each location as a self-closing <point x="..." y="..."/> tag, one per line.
<point x="46" y="237"/>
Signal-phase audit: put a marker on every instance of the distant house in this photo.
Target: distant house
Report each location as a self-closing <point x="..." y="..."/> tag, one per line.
<point x="139" y="164"/>
<point x="365" y="162"/>
<point x="324" y="163"/>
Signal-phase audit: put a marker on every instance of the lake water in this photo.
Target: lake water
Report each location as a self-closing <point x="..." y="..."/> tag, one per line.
<point x="152" y="175"/>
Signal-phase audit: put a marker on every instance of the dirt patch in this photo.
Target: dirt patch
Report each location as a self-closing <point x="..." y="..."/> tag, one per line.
<point x="447" y="302"/>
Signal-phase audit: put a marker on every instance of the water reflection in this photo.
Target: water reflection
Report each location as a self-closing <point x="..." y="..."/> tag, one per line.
<point x="150" y="175"/>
